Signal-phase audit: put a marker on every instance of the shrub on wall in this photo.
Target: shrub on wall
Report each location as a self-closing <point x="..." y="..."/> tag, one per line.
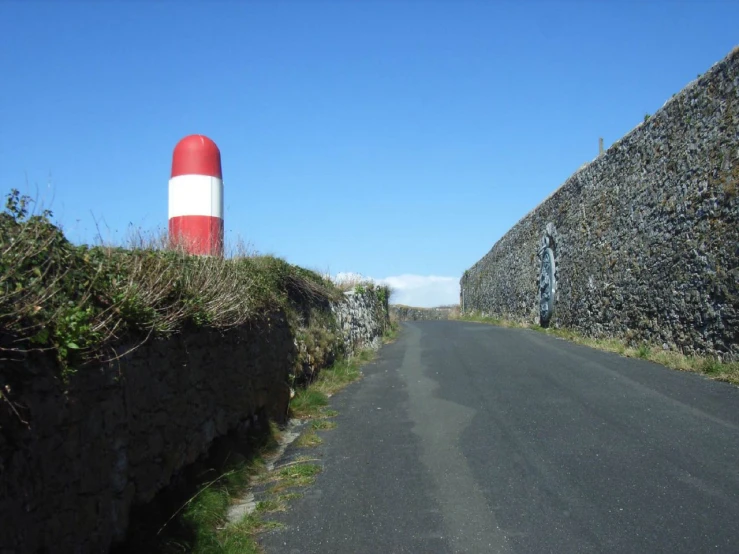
<point x="80" y="301"/>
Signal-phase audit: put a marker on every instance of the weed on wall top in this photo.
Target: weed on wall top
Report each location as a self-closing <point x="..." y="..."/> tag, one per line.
<point x="79" y="301"/>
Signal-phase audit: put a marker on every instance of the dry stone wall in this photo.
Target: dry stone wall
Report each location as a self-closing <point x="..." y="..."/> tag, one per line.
<point x="641" y="244"/>
<point x="362" y="318"/>
<point x="75" y="458"/>
<point x="409" y="313"/>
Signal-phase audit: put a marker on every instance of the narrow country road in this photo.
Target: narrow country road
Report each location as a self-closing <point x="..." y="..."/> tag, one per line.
<point x="464" y="437"/>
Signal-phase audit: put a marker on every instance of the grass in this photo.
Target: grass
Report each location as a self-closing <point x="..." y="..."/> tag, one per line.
<point x="643" y="352"/>
<point x="300" y="475"/>
<point x="307" y="402"/>
<point x="323" y="425"/>
<point x="237" y="538"/>
<point x="338" y="376"/>
<point x="308" y="439"/>
<point x="705" y="365"/>
<point x="359" y="285"/>
<point x="205" y="514"/>
<point x="311" y="401"/>
<point x="276" y="503"/>
<point x="391" y="332"/>
<point x="475" y="317"/>
<point x="355" y="283"/>
<point x="79" y="301"/>
<point x="200" y="526"/>
<point x="270" y="505"/>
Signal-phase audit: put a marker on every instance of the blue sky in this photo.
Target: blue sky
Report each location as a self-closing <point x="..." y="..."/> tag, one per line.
<point x="392" y="139"/>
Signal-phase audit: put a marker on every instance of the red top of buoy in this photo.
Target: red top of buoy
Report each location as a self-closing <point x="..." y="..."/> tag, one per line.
<point x="196" y="155"/>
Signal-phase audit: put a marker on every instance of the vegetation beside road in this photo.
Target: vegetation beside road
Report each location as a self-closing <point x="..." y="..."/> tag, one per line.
<point x="203" y="528"/>
<point x="706" y="365"/>
<point x="79" y="301"/>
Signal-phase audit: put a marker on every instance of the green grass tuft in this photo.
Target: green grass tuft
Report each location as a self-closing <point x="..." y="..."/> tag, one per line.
<point x="307" y="402"/>
<point x="391" y="332"/>
<point x="711" y="365"/>
<point x="644" y="351"/>
<point x="299" y="475"/>
<point x="308" y="439"/>
<point x="323" y="425"/>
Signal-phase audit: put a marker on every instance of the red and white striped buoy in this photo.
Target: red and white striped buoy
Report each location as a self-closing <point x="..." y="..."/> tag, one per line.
<point x="196" y="197"/>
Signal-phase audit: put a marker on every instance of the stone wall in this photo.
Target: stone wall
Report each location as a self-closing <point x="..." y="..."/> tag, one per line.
<point x="76" y="457"/>
<point x="409" y="313"/>
<point x="644" y="240"/>
<point x="362" y="318"/>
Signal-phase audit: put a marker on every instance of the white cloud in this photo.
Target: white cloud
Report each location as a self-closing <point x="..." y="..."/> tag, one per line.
<point x="423" y="291"/>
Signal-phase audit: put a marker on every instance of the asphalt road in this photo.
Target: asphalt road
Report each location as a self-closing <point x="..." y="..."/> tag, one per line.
<point x="464" y="437"/>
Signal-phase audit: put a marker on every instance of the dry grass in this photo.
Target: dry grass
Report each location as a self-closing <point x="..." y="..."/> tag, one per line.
<point x="80" y="301"/>
<point x="479" y="318"/>
<point x="353" y="282"/>
<point x="357" y="283"/>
